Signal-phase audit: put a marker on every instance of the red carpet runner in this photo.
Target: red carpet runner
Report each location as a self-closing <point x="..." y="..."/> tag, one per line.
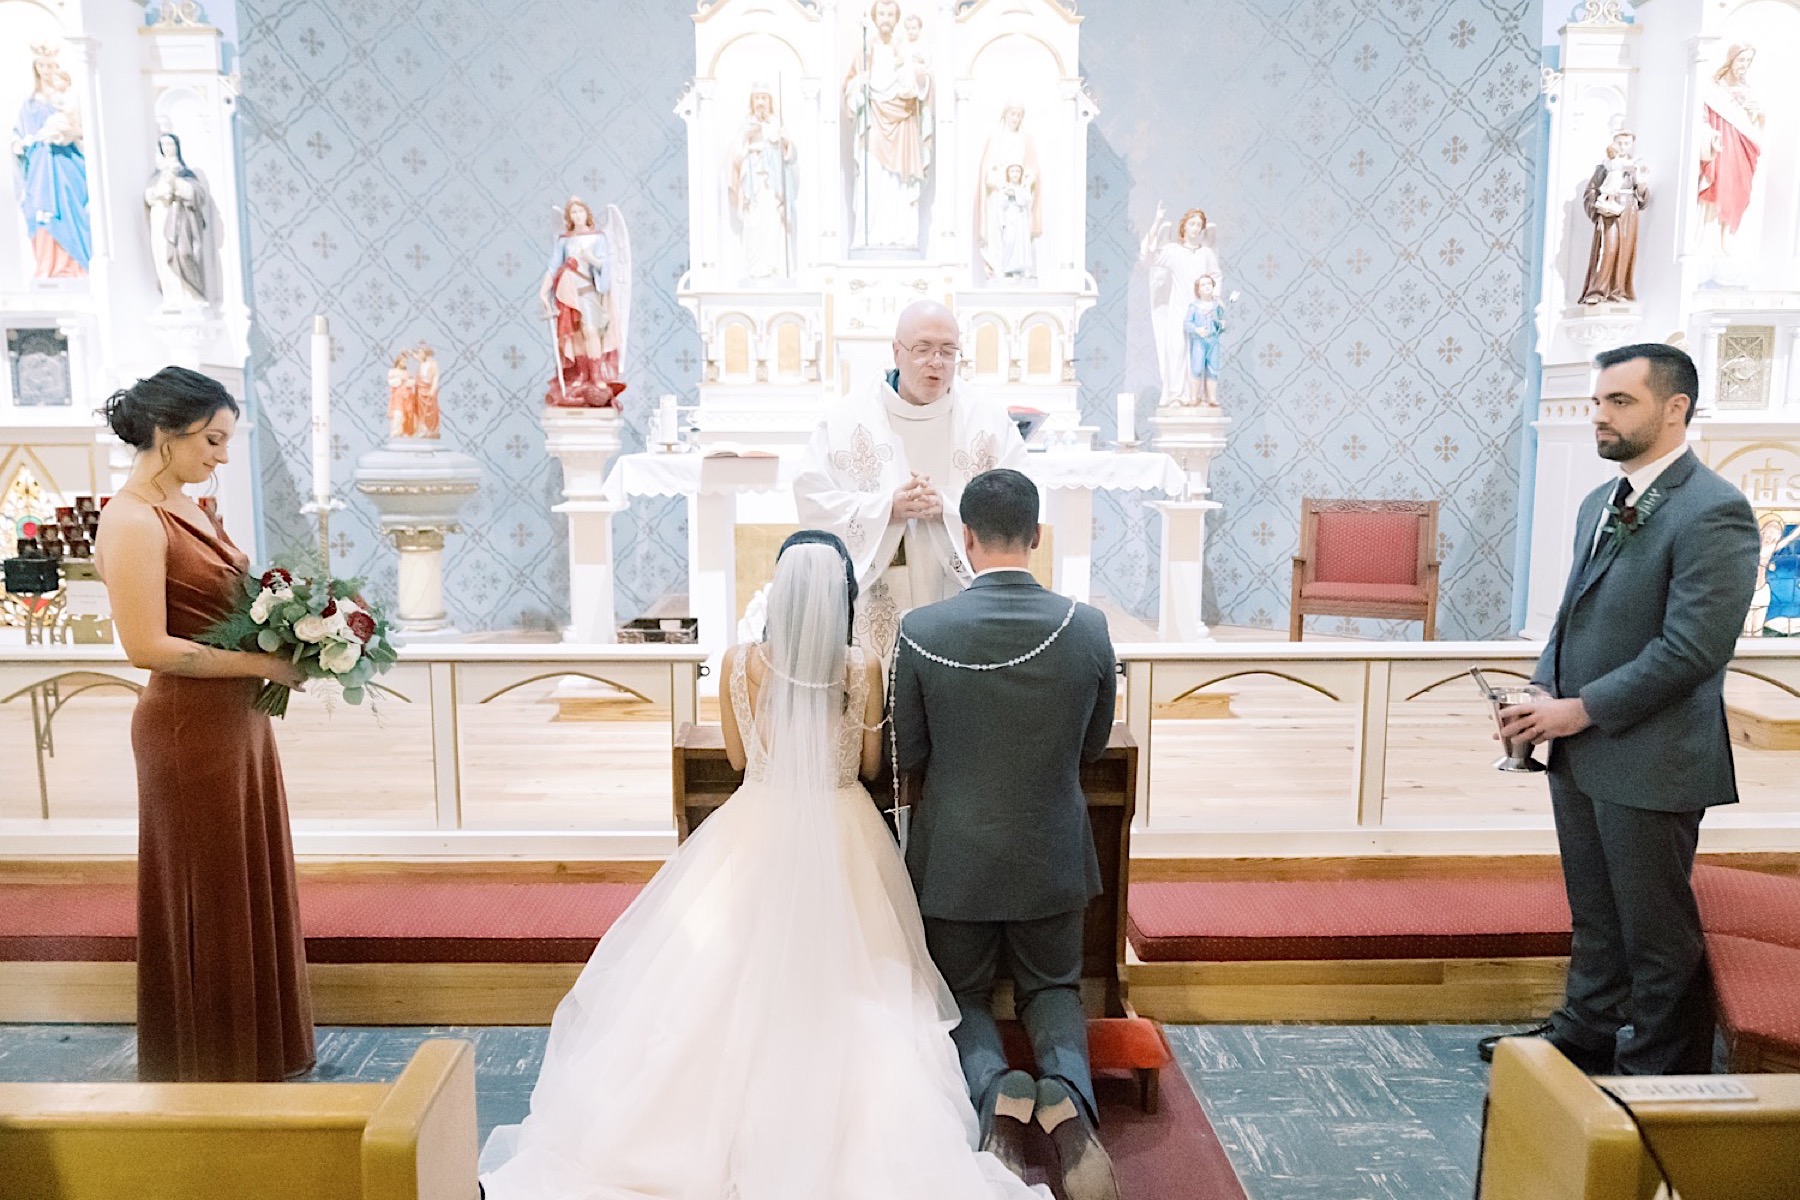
<point x="1174" y="1155"/>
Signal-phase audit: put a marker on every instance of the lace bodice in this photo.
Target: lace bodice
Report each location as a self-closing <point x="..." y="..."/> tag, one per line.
<point x="847" y="736"/>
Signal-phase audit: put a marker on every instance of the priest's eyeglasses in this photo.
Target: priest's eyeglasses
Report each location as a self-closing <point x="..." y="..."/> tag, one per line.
<point x="925" y="352"/>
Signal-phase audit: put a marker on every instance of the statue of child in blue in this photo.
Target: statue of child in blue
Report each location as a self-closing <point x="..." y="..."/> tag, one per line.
<point x="1205" y="322"/>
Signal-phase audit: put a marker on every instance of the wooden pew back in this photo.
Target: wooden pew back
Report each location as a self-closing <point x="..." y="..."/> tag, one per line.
<point x="414" y="1139"/>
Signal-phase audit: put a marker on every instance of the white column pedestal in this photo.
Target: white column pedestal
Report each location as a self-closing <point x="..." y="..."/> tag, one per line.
<point x="712" y="569"/>
<point x="1071" y="516"/>
<point x="420" y="612"/>
<point x="1183" y="574"/>
<point x="585" y="440"/>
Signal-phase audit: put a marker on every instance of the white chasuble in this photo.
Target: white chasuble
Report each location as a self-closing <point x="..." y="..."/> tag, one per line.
<point x="864" y="452"/>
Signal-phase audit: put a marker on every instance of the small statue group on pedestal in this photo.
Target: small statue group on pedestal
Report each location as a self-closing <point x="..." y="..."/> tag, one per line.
<point x="1010" y="214"/>
<point x="586" y="295"/>
<point x="413" y="394"/>
<point x="1187" y="308"/>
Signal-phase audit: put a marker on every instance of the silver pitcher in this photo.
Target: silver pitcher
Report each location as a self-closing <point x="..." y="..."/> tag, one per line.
<point x="1518" y="752"/>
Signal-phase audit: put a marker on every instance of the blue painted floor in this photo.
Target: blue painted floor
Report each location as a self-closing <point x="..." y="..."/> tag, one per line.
<point x="1306" y="1112"/>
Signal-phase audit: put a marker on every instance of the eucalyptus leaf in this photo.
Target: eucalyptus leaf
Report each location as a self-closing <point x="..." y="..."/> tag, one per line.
<point x="353" y="695"/>
<point x="268" y="641"/>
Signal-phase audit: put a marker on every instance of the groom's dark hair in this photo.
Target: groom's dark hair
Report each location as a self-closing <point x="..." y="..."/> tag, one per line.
<point x="1001" y="506"/>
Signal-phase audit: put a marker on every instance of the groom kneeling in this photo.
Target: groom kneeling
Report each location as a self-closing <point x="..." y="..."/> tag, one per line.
<point x="1001" y="693"/>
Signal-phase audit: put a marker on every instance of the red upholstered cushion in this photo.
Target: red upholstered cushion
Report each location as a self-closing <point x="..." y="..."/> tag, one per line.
<point x="1338" y="919"/>
<point x="344" y="921"/>
<point x="1114" y="1044"/>
<point x="1749" y="904"/>
<point x="1758" y="989"/>
<point x="54" y="922"/>
<point x="1366" y="547"/>
<point x="1384" y="592"/>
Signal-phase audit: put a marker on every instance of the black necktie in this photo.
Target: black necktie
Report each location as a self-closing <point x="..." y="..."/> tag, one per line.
<point x="1612" y="516"/>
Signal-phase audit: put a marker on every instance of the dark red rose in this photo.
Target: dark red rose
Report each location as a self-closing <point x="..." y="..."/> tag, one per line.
<point x="276" y="573"/>
<point x="330" y="609"/>
<point x="362" y="625"/>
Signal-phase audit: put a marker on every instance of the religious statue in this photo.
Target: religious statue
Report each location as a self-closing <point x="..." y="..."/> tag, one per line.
<point x="1618" y="190"/>
<point x="763" y="189"/>
<point x="1176" y="265"/>
<point x="413" y="410"/>
<point x="403" y="398"/>
<point x="1730" y="145"/>
<point x="888" y="95"/>
<point x="1009" y="207"/>
<point x="54" y="197"/>
<point x="1204" y="322"/>
<point x="586" y="293"/>
<point x="425" y="392"/>
<point x="177" y="203"/>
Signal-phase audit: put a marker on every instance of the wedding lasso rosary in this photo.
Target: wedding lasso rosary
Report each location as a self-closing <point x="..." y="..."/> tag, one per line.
<point x="900" y="824"/>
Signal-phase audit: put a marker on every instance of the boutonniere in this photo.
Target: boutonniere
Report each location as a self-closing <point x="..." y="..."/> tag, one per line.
<point x="1625" y="520"/>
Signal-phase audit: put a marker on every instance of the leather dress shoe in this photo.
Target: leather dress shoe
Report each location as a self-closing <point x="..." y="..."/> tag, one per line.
<point x="1015" y="1097"/>
<point x="1593" y="1062"/>
<point x="1087" y="1172"/>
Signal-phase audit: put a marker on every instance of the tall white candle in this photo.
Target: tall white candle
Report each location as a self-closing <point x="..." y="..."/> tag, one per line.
<point x="1127" y="418"/>
<point x="667" y="422"/>
<point x="321" y="410"/>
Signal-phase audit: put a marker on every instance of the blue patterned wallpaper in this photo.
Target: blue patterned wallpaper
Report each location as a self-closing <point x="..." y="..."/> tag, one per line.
<point x="1369" y="166"/>
<point x="401" y="159"/>
<point x="1367" y="163"/>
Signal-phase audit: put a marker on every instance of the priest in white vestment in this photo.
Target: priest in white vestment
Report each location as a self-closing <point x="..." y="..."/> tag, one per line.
<point x="886" y="469"/>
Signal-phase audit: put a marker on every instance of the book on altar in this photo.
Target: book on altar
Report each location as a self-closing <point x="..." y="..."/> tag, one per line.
<point x="733" y="450"/>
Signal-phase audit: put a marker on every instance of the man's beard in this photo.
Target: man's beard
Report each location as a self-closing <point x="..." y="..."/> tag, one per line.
<point x="1623" y="448"/>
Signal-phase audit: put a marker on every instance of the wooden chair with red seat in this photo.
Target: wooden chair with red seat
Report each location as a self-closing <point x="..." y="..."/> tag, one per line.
<point x="1366" y="558"/>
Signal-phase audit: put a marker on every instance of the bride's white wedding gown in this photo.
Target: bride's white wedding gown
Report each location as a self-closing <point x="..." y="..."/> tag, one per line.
<point x="764" y="1022"/>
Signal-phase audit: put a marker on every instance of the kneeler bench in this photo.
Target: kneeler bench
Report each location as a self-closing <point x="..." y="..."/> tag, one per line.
<point x="1118" y="1039"/>
<point x="413" y="1139"/>
<point x="1752" y="924"/>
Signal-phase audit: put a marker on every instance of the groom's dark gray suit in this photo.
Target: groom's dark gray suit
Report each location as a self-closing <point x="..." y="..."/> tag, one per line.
<point x="1001" y="852"/>
<point x="1646" y="627"/>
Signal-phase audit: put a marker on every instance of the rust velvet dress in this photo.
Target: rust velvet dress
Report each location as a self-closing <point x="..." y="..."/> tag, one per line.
<point x="221" y="965"/>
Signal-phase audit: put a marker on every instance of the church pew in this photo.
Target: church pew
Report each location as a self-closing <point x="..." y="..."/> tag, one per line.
<point x="413" y="1139"/>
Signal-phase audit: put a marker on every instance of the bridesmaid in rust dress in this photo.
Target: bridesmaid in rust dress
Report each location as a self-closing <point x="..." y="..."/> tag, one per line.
<point x="221" y="966"/>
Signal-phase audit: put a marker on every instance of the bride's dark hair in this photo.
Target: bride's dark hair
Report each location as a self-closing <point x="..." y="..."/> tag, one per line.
<point x="821" y="537"/>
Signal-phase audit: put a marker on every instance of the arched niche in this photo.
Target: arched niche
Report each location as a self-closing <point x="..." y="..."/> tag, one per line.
<point x="1016" y="68"/>
<point x="787" y="336"/>
<point x="737" y="338"/>
<point x="1042" y="355"/>
<point x="751" y="61"/>
<point x="989" y="356"/>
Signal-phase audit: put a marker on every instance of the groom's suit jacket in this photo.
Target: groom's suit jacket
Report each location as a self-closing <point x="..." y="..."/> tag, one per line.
<point x="1002" y="830"/>
<point x="1646" y="627"/>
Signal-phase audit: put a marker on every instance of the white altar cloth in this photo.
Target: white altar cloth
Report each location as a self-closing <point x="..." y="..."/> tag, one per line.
<point x="712" y="485"/>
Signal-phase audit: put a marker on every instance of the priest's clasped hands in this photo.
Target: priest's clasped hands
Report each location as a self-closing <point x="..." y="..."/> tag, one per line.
<point x="916" y="499"/>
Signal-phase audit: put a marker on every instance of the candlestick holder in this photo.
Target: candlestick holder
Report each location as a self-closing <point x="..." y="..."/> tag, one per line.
<point x="320" y="511"/>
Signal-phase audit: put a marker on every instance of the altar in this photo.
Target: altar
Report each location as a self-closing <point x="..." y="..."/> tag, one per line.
<point x="730" y="492"/>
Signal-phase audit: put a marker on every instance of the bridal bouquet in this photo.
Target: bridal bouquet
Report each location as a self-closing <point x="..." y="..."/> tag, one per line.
<point x="323" y="625"/>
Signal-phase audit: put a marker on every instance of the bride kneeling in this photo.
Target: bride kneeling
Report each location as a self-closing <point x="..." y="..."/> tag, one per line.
<point x="764" y="1022"/>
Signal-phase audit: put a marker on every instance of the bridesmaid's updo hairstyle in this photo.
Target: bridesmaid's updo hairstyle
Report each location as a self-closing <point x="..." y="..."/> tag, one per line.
<point x="174" y="400"/>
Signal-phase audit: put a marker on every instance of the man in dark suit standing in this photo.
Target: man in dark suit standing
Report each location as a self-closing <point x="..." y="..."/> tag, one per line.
<point x="1665" y="563"/>
<point x="1000" y="694"/>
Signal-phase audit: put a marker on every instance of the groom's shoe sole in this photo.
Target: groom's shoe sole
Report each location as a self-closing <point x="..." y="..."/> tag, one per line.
<point x="1087" y="1172"/>
<point x="1015" y="1098"/>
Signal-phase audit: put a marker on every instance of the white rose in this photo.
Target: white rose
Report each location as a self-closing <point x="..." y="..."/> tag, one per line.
<point x="259" y="607"/>
<point x="310" y="628"/>
<point x="346" y="607"/>
<point x="335" y="626"/>
<point x="340" y="657"/>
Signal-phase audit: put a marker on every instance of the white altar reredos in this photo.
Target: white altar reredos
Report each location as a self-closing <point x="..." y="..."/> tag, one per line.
<point x="844" y="161"/>
<point x="778" y="349"/>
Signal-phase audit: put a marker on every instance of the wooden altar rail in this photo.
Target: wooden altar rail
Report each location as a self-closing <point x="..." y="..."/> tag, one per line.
<point x="704" y="780"/>
<point x="1377" y="678"/>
